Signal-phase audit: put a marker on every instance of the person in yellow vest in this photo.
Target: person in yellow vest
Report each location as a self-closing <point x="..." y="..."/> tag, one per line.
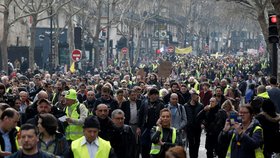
<point x="91" y="145"/>
<point x="76" y="114"/>
<point x="163" y="135"/>
<point x="245" y="135"/>
<point x="262" y="92"/>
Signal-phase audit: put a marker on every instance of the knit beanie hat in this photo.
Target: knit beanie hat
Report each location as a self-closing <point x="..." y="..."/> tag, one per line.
<point x="91" y="122"/>
<point x="71" y="94"/>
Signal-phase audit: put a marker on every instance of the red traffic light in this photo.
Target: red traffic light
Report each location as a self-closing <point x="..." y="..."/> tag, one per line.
<point x="158" y="51"/>
<point x="273" y="19"/>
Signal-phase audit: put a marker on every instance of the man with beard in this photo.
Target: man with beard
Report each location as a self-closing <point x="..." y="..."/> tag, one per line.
<point x="123" y="140"/>
<point x="31" y="110"/>
<point x="219" y="96"/>
<point x="175" y="88"/>
<point x="90" y="100"/>
<point x="44" y="106"/>
<point x="193" y="128"/>
<point x="106" y="124"/>
<point x="29" y="140"/>
<point x="60" y="87"/>
<point x="107" y="99"/>
<point x="148" y="115"/>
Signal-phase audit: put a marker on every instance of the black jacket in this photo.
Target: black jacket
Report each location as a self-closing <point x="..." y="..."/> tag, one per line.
<point x="124" y="142"/>
<point x="166" y="138"/>
<point x="214" y="120"/>
<point x="106" y="128"/>
<point x="181" y="100"/>
<point x="41" y="154"/>
<point x="192" y="111"/>
<point x="126" y="109"/>
<point x="149" y="113"/>
<point x="112" y="104"/>
<point x="12" y="136"/>
<point x="89" y="104"/>
<point x="271" y="132"/>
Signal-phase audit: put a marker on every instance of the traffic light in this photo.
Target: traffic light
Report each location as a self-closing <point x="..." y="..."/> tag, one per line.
<point x="121" y="43"/>
<point x="157" y="51"/>
<point x="273" y="30"/>
<point x="78" y="37"/>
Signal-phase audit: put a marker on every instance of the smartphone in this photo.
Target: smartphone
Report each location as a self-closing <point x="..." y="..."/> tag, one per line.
<point x="233" y="118"/>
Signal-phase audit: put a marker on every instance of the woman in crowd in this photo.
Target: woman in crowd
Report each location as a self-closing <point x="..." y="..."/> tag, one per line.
<point x="233" y="97"/>
<point x="163" y="135"/>
<point x="269" y="121"/>
<point x="245" y="138"/>
<point x="228" y="107"/>
<point x="49" y="139"/>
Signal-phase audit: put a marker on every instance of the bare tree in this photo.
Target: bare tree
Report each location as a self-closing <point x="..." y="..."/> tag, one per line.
<point x="69" y="11"/>
<point x="38" y="12"/>
<point x="7" y="23"/>
<point x="259" y="10"/>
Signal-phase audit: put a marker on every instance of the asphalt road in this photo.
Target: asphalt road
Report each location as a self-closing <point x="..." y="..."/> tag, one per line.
<point x="202" y="150"/>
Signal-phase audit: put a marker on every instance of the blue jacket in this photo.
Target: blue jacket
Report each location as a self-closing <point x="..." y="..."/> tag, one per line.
<point x="244" y="145"/>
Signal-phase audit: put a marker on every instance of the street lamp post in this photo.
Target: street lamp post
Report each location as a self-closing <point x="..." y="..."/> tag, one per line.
<point x="108" y="33"/>
<point x="51" y="40"/>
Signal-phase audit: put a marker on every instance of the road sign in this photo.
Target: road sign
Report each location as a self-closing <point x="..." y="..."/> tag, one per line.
<point x="170" y="49"/>
<point x="76" y="55"/>
<point x="124" y="50"/>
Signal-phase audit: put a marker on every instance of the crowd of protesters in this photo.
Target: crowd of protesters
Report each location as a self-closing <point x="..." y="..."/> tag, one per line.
<point x="131" y="111"/>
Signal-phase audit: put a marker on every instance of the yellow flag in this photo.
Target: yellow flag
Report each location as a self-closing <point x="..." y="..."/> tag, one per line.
<point x="186" y="50"/>
<point x="72" y="67"/>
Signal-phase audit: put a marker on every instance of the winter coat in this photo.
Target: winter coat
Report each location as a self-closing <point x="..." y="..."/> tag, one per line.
<point x="271" y="134"/>
<point x="244" y="145"/>
<point x="60" y="146"/>
<point x="123" y="142"/>
<point x="41" y="154"/>
<point x="179" y="121"/>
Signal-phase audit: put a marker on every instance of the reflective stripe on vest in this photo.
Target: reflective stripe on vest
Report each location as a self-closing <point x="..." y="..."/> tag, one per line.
<point x="155" y="149"/>
<point x="18" y="138"/>
<point x="81" y="151"/>
<point x="196" y="87"/>
<point x="258" y="152"/>
<point x="53" y="97"/>
<point x="72" y="131"/>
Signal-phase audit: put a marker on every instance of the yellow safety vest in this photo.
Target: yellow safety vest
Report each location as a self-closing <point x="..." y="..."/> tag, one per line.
<point x="196" y="87"/>
<point x="53" y="97"/>
<point x="263" y="95"/>
<point x="258" y="152"/>
<point x="154" y="66"/>
<point x="17" y="138"/>
<point x="155" y="149"/>
<point x="81" y="151"/>
<point x="72" y="131"/>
